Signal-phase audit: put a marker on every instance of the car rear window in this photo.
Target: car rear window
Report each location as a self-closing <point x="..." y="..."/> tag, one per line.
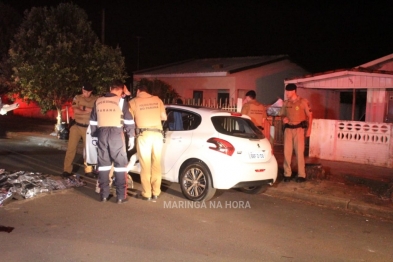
<point x="236" y="126"/>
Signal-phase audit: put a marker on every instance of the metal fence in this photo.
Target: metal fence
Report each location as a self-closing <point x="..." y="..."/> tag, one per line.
<point x="225" y="104"/>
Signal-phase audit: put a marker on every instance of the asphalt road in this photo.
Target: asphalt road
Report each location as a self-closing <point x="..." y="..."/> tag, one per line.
<point x="72" y="225"/>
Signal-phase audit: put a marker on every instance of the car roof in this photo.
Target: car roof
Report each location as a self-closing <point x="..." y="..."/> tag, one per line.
<point x="200" y="109"/>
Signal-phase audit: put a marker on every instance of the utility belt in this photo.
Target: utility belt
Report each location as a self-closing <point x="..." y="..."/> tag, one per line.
<point x="139" y="131"/>
<point x="82" y="125"/>
<point x="73" y="122"/>
<point x="303" y="124"/>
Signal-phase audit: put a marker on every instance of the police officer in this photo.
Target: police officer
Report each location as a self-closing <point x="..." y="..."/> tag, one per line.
<point x="254" y="109"/>
<point x="82" y="106"/>
<point x="148" y="112"/>
<point x="296" y="117"/>
<point x="110" y="116"/>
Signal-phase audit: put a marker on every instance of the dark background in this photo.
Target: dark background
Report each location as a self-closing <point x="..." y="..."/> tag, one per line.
<point x="318" y="35"/>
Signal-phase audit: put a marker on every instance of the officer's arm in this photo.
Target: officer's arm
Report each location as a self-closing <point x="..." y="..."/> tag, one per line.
<point x="163" y="115"/>
<point x="129" y="123"/>
<point x="264" y="115"/>
<point x="245" y="109"/>
<point x="131" y="103"/>
<point x="283" y="114"/>
<point x="309" y="125"/>
<point x="126" y="94"/>
<point x="76" y="107"/>
<point x="309" y="118"/>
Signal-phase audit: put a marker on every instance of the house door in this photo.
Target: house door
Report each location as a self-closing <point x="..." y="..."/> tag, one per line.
<point x="198" y="97"/>
<point x="389" y="114"/>
<point x="223" y="99"/>
<point x="348" y="110"/>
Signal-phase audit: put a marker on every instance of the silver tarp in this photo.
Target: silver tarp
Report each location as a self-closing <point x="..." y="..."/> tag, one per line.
<point x="23" y="184"/>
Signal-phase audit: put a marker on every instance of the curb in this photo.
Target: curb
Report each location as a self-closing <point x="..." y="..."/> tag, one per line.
<point x="333" y="202"/>
<point x="366" y="209"/>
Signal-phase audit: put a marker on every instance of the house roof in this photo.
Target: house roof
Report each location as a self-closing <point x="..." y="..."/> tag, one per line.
<point x="360" y="77"/>
<point x="209" y="66"/>
<point x="376" y="62"/>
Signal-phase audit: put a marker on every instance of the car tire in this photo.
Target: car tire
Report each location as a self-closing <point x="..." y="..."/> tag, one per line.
<point x="254" y="189"/>
<point x="196" y="183"/>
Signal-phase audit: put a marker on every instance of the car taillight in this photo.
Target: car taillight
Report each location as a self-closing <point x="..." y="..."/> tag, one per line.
<point x="221" y="145"/>
<point x="235" y="114"/>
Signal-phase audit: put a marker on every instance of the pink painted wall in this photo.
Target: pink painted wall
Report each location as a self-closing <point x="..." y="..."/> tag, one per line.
<point x="33" y="110"/>
<point x="325" y="104"/>
<point x="236" y="84"/>
<point x="185" y="86"/>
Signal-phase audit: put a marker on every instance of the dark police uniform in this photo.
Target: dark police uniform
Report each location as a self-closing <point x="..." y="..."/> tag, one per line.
<point x="108" y="118"/>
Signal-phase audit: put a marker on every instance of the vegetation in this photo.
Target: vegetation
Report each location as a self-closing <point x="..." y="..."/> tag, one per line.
<point x="9" y="23"/>
<point x="158" y="88"/>
<point x="54" y="51"/>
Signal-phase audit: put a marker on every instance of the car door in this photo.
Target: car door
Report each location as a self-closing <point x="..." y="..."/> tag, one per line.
<point x="178" y="136"/>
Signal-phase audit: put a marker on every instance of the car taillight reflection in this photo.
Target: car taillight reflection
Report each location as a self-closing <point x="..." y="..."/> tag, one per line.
<point x="221" y="145"/>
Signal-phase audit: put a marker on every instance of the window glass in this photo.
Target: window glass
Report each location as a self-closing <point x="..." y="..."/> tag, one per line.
<point x="236" y="126"/>
<point x="179" y="120"/>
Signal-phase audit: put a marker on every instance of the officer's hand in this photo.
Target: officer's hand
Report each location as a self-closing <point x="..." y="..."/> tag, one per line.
<point x="94" y="141"/>
<point x="125" y="91"/>
<point x="130" y="143"/>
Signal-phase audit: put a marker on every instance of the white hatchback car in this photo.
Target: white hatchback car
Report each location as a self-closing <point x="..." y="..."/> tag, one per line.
<point x="207" y="149"/>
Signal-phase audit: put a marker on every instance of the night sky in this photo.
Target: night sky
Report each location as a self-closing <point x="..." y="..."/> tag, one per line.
<point x="318" y="35"/>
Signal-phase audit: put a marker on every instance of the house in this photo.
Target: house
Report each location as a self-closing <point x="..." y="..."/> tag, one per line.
<point x="363" y="93"/>
<point x="224" y="80"/>
<point x="353" y="112"/>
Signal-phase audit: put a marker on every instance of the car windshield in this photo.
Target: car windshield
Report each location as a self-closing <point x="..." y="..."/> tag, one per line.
<point x="237" y="126"/>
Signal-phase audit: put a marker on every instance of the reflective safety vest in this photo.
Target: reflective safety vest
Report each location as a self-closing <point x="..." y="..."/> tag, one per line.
<point x="109" y="111"/>
<point x="146" y="111"/>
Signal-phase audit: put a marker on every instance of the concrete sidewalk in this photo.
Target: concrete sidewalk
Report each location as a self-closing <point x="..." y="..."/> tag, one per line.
<point x="353" y="187"/>
<point x="359" y="188"/>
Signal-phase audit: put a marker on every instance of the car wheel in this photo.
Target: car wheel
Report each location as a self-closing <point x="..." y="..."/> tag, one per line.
<point x="254" y="189"/>
<point x="196" y="183"/>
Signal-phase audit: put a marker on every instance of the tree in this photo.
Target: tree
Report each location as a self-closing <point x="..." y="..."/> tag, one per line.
<point x="9" y="23"/>
<point x="159" y="88"/>
<point x="55" y="51"/>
